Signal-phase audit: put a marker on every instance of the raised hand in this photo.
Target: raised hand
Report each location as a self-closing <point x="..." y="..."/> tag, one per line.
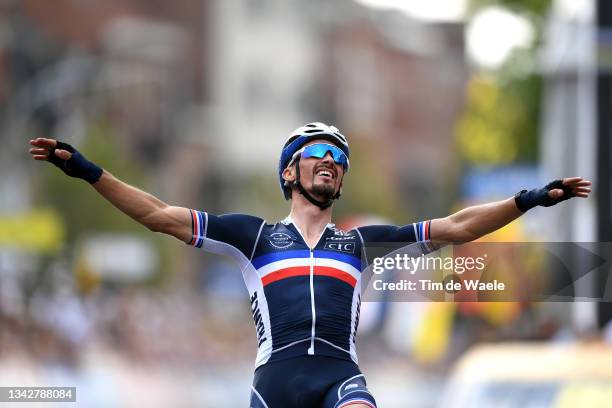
<point x="553" y="193"/>
<point x="66" y="157"/>
<point x="43" y="148"/>
<point x="578" y="186"/>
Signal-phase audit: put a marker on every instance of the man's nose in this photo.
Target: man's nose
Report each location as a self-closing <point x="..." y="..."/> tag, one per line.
<point x="328" y="157"/>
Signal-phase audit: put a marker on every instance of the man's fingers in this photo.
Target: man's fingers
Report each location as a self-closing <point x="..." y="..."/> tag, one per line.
<point x="580" y="191"/>
<point x="579" y="186"/>
<point x="39" y="154"/>
<point x="570" y="180"/>
<point x="43" y="142"/>
<point x="63" y="154"/>
<point x="39" y="151"/>
<point x="43" y="148"/>
<point x="555" y="193"/>
<point x="576" y="181"/>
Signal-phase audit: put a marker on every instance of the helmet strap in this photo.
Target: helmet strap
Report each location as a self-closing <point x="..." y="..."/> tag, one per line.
<point x="321" y="204"/>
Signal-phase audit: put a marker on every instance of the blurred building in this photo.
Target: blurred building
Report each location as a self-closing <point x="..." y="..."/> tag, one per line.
<point x="382" y="77"/>
<point x="230" y="80"/>
<point x="134" y="65"/>
<point x="400" y="84"/>
<point x="569" y="64"/>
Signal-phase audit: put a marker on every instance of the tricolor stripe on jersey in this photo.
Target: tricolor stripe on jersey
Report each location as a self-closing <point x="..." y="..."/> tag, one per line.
<point x="282" y="265"/>
<point x="197" y="226"/>
<point x="305" y="271"/>
<point x="422" y="230"/>
<point x="263" y="260"/>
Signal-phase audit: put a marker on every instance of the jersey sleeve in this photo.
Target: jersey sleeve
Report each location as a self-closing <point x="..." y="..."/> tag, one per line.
<point x="416" y="233"/>
<point x="231" y="234"/>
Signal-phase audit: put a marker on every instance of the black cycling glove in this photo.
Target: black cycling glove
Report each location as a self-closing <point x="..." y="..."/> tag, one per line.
<point x="526" y="200"/>
<point x="77" y="166"/>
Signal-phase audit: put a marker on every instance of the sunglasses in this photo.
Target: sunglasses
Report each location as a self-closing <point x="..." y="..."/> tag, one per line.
<point x="319" y="151"/>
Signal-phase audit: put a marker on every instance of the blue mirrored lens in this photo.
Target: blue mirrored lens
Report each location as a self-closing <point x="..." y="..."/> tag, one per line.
<point x="320" y="150"/>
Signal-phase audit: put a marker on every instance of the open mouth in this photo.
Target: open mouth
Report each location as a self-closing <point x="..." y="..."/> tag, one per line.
<point x="325" y="174"/>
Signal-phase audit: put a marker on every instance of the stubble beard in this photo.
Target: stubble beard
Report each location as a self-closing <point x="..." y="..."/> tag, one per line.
<point x="325" y="191"/>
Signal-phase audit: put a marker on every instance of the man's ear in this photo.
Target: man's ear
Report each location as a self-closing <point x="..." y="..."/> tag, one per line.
<point x="289" y="174"/>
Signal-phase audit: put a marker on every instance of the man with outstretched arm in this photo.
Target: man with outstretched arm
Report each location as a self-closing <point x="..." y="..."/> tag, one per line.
<point x="304" y="287"/>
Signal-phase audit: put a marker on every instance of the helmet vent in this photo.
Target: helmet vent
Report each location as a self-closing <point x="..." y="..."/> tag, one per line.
<point x="312" y="131"/>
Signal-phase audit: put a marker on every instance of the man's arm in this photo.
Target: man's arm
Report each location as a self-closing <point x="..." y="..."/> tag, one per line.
<point x="145" y="208"/>
<point x="137" y="204"/>
<point x="474" y="222"/>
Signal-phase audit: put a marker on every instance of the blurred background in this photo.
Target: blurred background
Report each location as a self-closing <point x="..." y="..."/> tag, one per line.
<point x="446" y="103"/>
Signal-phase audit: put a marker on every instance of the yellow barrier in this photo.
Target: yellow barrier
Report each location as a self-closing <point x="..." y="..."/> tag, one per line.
<point x="40" y="230"/>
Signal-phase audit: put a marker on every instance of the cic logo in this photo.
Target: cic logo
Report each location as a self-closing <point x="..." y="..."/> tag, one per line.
<point x="348" y="247"/>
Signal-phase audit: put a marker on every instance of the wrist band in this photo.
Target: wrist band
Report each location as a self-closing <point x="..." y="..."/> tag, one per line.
<point x="526" y="200"/>
<point x="77" y="166"/>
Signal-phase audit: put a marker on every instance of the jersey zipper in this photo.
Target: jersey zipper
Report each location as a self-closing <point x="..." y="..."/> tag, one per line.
<point x="312" y="298"/>
<point x="312" y="304"/>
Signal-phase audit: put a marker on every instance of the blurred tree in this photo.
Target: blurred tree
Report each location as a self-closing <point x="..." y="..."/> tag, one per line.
<point x="500" y="126"/>
<point x="536" y="7"/>
<point x="501" y="123"/>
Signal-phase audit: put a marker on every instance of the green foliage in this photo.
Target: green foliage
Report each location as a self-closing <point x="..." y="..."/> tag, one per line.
<point x="501" y="122"/>
<point x="500" y="125"/>
<point x="537" y="7"/>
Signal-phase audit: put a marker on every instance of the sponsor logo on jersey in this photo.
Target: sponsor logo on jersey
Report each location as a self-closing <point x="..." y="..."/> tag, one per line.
<point x="344" y="238"/>
<point x="348" y="247"/>
<point x="354" y="336"/>
<point x="340" y="233"/>
<point x="259" y="324"/>
<point x="280" y="240"/>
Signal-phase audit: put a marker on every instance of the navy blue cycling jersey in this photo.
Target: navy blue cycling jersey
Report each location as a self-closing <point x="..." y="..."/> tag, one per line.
<point x="305" y="301"/>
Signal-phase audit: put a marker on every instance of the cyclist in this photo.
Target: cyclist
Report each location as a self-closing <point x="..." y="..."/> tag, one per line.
<point x="303" y="274"/>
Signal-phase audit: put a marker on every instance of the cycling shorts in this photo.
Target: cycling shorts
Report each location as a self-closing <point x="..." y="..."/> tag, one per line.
<point x="310" y="381"/>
